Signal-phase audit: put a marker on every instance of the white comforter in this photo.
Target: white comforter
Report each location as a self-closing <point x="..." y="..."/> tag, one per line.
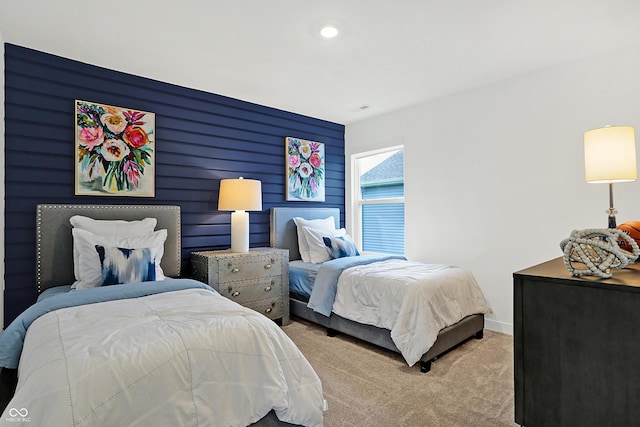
<point x="413" y="300"/>
<point x="185" y="358"/>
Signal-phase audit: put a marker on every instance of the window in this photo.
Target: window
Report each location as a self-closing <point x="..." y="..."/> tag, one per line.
<point x="379" y="200"/>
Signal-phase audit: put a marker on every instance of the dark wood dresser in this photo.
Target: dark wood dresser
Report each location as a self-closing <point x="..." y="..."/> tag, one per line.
<point x="576" y="347"/>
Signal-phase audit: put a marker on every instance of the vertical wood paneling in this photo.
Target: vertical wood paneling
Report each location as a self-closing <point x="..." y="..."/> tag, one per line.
<point x="200" y="139"/>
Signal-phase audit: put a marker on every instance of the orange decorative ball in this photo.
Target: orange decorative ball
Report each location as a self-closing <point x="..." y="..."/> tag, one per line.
<point x="632" y="229"/>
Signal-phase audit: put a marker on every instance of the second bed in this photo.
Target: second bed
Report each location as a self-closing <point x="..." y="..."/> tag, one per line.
<point x="412" y="328"/>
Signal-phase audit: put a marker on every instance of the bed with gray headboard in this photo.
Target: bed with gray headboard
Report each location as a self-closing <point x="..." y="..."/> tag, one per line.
<point x="283" y="234"/>
<point x="161" y="313"/>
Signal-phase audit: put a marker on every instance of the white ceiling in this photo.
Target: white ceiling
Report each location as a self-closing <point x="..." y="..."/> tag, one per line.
<point x="390" y="53"/>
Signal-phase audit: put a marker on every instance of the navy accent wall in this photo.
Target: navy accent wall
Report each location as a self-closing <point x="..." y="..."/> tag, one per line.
<point x="200" y="138"/>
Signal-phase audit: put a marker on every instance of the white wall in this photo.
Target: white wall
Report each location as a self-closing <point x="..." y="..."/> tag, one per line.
<point x="494" y="176"/>
<point x="2" y="180"/>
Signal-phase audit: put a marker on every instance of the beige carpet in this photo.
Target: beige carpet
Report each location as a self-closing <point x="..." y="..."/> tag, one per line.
<point x="364" y="385"/>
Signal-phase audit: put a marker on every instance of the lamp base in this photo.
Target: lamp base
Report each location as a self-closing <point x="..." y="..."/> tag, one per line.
<point x="612" y="211"/>
<point x="240" y="231"/>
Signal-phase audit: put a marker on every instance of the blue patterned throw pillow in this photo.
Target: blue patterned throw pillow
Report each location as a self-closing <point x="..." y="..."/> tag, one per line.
<point x="341" y="246"/>
<point x="121" y="265"/>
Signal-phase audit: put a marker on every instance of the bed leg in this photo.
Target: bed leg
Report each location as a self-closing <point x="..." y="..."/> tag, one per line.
<point x="331" y="332"/>
<point x="425" y="366"/>
<point x="480" y="334"/>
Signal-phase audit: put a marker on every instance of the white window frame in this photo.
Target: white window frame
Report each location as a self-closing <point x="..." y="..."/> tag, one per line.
<point x="356" y="201"/>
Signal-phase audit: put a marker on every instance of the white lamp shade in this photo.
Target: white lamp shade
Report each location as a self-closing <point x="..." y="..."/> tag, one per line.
<point x="610" y="154"/>
<point x="240" y="195"/>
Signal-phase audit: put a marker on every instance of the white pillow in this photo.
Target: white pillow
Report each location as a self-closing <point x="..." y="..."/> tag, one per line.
<point x="110" y="228"/>
<point x="318" y="251"/>
<point x="322" y="224"/>
<point x="116" y="227"/>
<point x="89" y="268"/>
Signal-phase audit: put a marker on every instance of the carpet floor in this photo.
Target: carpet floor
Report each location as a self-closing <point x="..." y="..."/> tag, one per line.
<point x="471" y="385"/>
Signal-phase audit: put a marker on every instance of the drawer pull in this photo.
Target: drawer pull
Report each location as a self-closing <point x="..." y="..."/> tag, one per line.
<point x="267" y="289"/>
<point x="235" y="270"/>
<point x="268" y="266"/>
<point x="268" y="310"/>
<point x="235" y="294"/>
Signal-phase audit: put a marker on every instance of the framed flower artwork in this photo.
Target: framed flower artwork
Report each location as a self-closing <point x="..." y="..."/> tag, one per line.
<point x="115" y="151"/>
<point x="305" y="170"/>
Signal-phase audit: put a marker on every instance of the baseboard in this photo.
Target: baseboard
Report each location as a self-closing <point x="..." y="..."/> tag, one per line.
<point x="494" y="325"/>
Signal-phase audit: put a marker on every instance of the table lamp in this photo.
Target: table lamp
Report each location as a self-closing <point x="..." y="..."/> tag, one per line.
<point x="610" y="156"/>
<point x="240" y="195"/>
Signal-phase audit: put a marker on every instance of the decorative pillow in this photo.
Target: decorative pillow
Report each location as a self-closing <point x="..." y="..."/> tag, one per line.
<point x="89" y="267"/>
<point x="341" y="246"/>
<point x="320" y="224"/>
<point x="122" y="265"/>
<point x="318" y="252"/>
<point x="118" y="228"/>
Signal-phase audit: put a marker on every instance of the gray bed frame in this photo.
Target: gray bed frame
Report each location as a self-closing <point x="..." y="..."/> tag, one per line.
<point x="54" y="248"/>
<point x="284" y="235"/>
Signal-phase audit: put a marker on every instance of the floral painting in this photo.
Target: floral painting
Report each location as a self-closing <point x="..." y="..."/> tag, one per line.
<point x="114" y="151"/>
<point x="305" y="170"/>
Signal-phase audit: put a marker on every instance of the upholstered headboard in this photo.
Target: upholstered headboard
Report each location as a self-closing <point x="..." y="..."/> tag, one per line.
<point x="283" y="232"/>
<point x="54" y="243"/>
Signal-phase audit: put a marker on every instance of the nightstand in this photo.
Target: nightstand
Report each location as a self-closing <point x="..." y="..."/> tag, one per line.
<point x="258" y="279"/>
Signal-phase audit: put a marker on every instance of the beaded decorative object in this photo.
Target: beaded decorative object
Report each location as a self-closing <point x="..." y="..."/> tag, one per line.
<point x="598" y="250"/>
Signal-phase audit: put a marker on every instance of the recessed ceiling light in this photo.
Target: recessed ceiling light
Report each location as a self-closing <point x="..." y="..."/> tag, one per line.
<point x="328" y="31"/>
<point x="360" y="108"/>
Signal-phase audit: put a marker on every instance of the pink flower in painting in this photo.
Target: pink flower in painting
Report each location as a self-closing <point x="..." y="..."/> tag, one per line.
<point x="315" y="160"/>
<point x="91" y="137"/>
<point x="114" y="150"/>
<point x="305" y="170"/>
<point x="132" y="170"/>
<point x="294" y="161"/>
<point x="116" y="122"/>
